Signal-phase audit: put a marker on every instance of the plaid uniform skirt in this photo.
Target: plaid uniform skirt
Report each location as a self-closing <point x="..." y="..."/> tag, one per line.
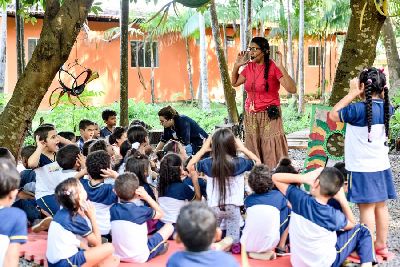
<point x="265" y="138"/>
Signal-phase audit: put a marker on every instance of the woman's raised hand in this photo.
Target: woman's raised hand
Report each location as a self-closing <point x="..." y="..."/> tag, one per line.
<point x="242" y="59"/>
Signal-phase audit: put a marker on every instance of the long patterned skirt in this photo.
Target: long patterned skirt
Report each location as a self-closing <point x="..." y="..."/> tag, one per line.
<point x="265" y="138"/>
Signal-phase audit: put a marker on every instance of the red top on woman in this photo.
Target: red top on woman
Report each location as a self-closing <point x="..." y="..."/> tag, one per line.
<point x="255" y="86"/>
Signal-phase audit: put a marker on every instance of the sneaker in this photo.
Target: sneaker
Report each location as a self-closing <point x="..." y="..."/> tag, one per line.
<point x="265" y="256"/>
<point x="165" y="249"/>
<point x="280" y="252"/>
<point x="43" y="225"/>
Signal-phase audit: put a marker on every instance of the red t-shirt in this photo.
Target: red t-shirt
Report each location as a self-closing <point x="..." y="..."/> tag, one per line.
<point x="255" y="85"/>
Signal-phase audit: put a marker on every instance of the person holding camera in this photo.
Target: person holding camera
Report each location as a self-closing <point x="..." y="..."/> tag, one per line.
<point x="262" y="78"/>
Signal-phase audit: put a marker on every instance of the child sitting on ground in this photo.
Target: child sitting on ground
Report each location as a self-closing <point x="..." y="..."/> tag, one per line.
<point x="263" y="209"/>
<point x="110" y="119"/>
<point x="282" y="249"/>
<point x="69" y="136"/>
<point x="27" y="187"/>
<point x="74" y="222"/>
<point x="172" y="192"/>
<point x="13" y="226"/>
<point x="128" y="222"/>
<point x="86" y="128"/>
<point x="70" y="163"/>
<point x="99" y="193"/>
<point x="319" y="234"/>
<point x="197" y="228"/>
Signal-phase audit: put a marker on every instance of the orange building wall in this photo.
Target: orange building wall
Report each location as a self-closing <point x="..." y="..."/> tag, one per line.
<point x="171" y="77"/>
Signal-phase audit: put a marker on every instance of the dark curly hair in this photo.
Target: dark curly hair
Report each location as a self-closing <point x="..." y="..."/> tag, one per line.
<point x="285" y="166"/>
<point x="260" y="180"/>
<point x="96" y="162"/>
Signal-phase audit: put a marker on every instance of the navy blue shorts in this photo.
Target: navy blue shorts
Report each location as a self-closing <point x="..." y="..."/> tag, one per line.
<point x="49" y="204"/>
<point x="76" y="260"/>
<point x="370" y="187"/>
<point x="155" y="244"/>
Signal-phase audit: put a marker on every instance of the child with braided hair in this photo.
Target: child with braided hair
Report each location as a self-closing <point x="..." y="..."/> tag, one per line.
<point x="370" y="181"/>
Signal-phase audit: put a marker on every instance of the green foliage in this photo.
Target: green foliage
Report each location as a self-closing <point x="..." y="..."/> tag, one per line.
<point x="137" y="110"/>
<point x="148" y="113"/>
<point x="292" y="121"/>
<point x="395" y="120"/>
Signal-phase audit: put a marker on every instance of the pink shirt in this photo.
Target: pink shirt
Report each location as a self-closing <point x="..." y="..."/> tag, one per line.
<point x="255" y="85"/>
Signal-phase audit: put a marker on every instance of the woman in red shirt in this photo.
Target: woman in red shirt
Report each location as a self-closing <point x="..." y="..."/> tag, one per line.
<point x="262" y="78"/>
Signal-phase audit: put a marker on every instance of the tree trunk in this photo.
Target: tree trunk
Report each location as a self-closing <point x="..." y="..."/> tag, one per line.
<point x="19" y="26"/>
<point x="153" y="95"/>
<point x="205" y="101"/>
<point x="124" y="21"/>
<point x="290" y="40"/>
<point x="61" y="26"/>
<point x="3" y="49"/>
<point x="262" y="28"/>
<point x="320" y="61"/>
<point x="229" y="92"/>
<point x="301" y="59"/>
<point x="225" y="41"/>
<point x="248" y="21"/>
<point x="189" y="65"/>
<point x="392" y="55"/>
<point x="359" y="50"/>
<point x="323" y="69"/>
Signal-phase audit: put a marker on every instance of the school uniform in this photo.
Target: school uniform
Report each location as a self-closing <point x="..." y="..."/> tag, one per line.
<point x="316" y="233"/>
<point x="369" y="174"/>
<point x="261" y="232"/>
<point x="47" y="179"/>
<point x="230" y="212"/>
<point x="129" y="230"/>
<point x="175" y="197"/>
<point x="208" y="258"/>
<point x="202" y="185"/>
<point x="103" y="197"/>
<point x="104" y="132"/>
<point x="13" y="229"/>
<point x="63" y="239"/>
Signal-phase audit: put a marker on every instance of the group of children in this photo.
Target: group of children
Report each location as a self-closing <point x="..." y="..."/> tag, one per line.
<point x="114" y="199"/>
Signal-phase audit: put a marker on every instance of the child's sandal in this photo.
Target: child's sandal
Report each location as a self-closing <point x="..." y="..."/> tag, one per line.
<point x="384" y="253"/>
<point x="356" y="259"/>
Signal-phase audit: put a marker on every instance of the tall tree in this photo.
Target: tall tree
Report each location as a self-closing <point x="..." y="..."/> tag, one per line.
<point x="290" y="39"/>
<point x="19" y="26"/>
<point x="392" y="56"/>
<point x="359" y="50"/>
<point x="229" y="92"/>
<point x="205" y="101"/>
<point x="3" y="49"/>
<point x="301" y="58"/>
<point x="124" y="21"/>
<point x="61" y="25"/>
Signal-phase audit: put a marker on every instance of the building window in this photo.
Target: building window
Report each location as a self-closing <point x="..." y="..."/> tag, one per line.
<point x="230" y="41"/>
<point x="272" y="52"/>
<point x="314" y="55"/>
<point x="141" y="51"/>
<point x="32" y="42"/>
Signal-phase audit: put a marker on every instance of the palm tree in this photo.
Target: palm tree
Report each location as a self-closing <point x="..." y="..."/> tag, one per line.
<point x="3" y="49"/>
<point x="301" y="58"/>
<point x="19" y="26"/>
<point x="124" y="21"/>
<point x="205" y="101"/>
<point x="229" y="92"/>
